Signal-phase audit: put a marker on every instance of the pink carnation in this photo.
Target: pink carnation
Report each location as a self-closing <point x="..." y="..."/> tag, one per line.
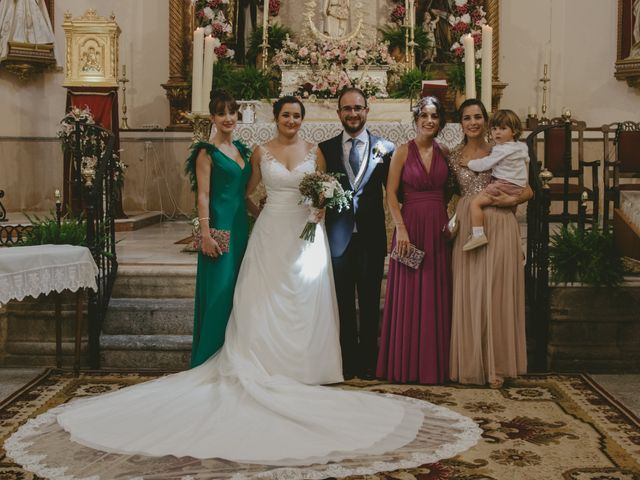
<point x="398" y="13"/>
<point x="221" y="51"/>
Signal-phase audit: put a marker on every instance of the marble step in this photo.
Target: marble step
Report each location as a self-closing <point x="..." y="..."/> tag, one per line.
<point x="149" y="316"/>
<point x="154" y="352"/>
<point x="21" y="353"/>
<point x="155" y="281"/>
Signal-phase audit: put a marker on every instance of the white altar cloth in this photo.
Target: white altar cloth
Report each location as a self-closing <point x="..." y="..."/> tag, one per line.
<point x="31" y="271"/>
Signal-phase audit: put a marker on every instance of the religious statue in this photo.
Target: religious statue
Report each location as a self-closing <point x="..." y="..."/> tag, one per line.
<point x="635" y="46"/>
<point x="336" y="17"/>
<point x="24" y="21"/>
<point x="439" y="11"/>
<point x="429" y="26"/>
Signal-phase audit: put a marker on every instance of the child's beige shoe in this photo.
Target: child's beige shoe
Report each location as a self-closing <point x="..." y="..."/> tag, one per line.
<point x="475" y="242"/>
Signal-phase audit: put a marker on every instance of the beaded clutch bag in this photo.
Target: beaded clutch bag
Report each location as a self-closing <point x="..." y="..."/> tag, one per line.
<point x="220" y="236"/>
<point x="413" y="257"/>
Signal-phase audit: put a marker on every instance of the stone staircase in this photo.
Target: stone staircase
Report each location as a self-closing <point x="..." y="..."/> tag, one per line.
<point x="150" y="318"/>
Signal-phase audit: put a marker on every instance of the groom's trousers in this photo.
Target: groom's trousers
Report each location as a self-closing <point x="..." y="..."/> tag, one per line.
<point x="358" y="269"/>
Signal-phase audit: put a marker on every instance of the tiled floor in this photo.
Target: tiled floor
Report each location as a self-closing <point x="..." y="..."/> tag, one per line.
<point x="155" y="245"/>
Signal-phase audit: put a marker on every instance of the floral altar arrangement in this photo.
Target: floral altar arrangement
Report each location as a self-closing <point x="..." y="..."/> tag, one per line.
<point x="468" y="18"/>
<point x="213" y="16"/>
<point x="92" y="146"/>
<point x="333" y="65"/>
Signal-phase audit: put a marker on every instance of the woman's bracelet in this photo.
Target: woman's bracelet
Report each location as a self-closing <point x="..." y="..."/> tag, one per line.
<point x="203" y="218"/>
<point x="400" y="224"/>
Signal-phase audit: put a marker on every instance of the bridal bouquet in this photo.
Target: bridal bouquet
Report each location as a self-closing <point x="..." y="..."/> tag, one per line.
<point x="321" y="190"/>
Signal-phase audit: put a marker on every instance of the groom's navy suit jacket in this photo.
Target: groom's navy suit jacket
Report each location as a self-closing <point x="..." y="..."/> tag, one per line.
<point x="366" y="212"/>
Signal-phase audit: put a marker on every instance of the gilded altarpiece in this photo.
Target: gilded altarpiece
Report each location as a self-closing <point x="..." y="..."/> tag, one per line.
<point x="181" y="26"/>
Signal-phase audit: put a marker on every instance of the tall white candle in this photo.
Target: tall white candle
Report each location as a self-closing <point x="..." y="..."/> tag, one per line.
<point x="487" y="66"/>
<point x="265" y="15"/>
<point x="406" y="11"/>
<point x="411" y="13"/>
<point x="207" y="74"/>
<point x="469" y="66"/>
<point x="196" y="71"/>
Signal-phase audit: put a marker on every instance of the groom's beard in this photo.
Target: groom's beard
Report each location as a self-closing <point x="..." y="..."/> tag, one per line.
<point x="351" y="127"/>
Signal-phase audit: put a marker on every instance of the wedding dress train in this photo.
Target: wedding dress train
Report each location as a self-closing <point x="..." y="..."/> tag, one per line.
<point x="254" y="409"/>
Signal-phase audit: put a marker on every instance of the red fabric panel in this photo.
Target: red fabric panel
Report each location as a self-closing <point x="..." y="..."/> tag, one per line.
<point x="554" y="150"/>
<point x="629" y="152"/>
<point x="102" y="102"/>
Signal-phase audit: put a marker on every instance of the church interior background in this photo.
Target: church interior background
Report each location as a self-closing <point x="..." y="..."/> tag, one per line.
<point x="578" y="58"/>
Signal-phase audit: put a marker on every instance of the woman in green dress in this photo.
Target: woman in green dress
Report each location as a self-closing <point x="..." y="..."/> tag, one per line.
<point x="219" y="173"/>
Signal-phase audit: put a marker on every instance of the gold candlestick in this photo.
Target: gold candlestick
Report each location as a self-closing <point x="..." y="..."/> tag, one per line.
<point x="265" y="33"/>
<point x="545" y="80"/>
<point x="412" y="30"/>
<point x="124" y="80"/>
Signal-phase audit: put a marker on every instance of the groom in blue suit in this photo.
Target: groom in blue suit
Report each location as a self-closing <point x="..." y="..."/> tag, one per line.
<point x="357" y="236"/>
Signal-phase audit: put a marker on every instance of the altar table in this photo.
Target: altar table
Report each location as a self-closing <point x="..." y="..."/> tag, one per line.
<point x="31" y="271"/>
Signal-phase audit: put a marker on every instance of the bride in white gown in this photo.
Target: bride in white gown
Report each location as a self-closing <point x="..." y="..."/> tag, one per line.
<point x="254" y="409"/>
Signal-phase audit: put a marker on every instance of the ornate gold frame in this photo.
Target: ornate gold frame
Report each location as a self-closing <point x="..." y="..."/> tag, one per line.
<point x="92" y="49"/>
<point x="180" y="38"/>
<point x="627" y="68"/>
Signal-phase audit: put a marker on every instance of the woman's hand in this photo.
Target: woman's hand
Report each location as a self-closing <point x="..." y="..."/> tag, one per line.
<point x="503" y="200"/>
<point x="402" y="240"/>
<point x="210" y="247"/>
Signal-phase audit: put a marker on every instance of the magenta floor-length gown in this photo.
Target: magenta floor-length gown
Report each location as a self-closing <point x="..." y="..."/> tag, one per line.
<point x="414" y="344"/>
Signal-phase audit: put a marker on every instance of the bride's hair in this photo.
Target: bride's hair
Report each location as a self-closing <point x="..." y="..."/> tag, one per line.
<point x="282" y="101"/>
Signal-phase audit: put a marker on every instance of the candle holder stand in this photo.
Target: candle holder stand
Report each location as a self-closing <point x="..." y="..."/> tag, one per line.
<point x="201" y="125"/>
<point x="124" y="80"/>
<point x="545" y="80"/>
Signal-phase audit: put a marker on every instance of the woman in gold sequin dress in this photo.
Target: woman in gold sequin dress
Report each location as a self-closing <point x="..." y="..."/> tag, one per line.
<point x="488" y="324"/>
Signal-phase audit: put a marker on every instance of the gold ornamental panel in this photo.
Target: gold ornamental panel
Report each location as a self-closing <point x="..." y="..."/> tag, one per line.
<point x="91" y="53"/>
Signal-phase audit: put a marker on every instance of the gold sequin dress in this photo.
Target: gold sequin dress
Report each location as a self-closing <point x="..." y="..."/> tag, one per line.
<point x="488" y="322"/>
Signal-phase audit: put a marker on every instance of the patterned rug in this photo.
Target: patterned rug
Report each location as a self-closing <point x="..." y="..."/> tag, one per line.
<point x="536" y="427"/>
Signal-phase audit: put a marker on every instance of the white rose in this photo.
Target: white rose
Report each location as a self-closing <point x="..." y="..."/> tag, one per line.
<point x="328" y="189"/>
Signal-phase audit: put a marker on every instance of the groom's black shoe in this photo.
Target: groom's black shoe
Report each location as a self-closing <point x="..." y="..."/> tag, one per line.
<point x="348" y="375"/>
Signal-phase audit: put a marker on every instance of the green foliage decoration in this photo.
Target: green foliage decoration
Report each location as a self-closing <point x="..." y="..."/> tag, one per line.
<point x="585" y="255"/>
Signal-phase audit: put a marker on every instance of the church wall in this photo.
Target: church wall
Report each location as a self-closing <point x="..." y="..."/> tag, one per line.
<point x="35" y="107"/>
<point x="581" y="38"/>
<point x="581" y="34"/>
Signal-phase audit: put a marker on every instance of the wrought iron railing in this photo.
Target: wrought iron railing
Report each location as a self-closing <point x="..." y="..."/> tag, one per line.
<point x="91" y="151"/>
<point x="3" y="211"/>
<point x="94" y="167"/>
<point x="537" y="266"/>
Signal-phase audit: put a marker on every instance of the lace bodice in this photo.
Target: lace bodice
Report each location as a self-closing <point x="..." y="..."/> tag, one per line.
<point x="281" y="183"/>
<point x="469" y="181"/>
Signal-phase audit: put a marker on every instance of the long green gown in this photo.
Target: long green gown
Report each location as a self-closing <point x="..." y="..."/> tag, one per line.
<point x="216" y="277"/>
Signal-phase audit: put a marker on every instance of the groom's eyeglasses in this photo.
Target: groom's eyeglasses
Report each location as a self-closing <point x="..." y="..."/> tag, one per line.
<point x="352" y="108"/>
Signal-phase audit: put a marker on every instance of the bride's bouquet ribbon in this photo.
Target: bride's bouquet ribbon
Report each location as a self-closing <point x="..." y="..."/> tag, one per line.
<point x="321" y="190"/>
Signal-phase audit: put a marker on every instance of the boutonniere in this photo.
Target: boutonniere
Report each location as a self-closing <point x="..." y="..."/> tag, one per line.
<point x="379" y="150"/>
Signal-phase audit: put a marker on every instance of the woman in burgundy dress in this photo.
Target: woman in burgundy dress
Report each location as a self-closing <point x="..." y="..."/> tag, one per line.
<point x="414" y="345"/>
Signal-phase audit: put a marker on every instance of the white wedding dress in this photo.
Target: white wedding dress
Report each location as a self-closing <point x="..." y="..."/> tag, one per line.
<point x="253" y="410"/>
